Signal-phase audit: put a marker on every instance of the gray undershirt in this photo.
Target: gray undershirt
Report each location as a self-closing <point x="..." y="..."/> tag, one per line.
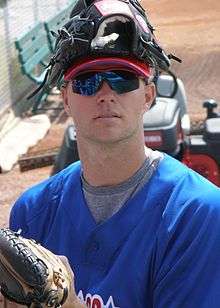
<point x="105" y="201"/>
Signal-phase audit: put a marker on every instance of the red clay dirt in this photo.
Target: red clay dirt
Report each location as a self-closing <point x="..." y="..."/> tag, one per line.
<point x="190" y="30"/>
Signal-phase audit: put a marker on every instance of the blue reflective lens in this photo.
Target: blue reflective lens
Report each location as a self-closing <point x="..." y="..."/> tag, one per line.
<point x="119" y="81"/>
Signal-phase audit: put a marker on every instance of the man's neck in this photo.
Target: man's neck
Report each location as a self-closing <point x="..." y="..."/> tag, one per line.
<point x="110" y="165"/>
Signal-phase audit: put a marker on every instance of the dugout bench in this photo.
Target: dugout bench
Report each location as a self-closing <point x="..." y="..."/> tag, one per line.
<point x="34" y="49"/>
<point x="55" y="23"/>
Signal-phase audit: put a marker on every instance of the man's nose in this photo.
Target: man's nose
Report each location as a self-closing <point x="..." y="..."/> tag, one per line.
<point x="105" y="94"/>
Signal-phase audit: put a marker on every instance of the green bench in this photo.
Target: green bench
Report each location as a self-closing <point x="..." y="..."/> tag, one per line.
<point x="55" y="23"/>
<point x="34" y="50"/>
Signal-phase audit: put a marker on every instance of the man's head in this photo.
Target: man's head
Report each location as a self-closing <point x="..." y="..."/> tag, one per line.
<point x="103" y="29"/>
<point x="107" y="56"/>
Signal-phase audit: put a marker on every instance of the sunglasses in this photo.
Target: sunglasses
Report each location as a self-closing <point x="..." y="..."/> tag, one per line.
<point x="119" y="81"/>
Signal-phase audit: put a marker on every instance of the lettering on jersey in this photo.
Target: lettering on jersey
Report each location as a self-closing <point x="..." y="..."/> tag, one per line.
<point x="96" y="301"/>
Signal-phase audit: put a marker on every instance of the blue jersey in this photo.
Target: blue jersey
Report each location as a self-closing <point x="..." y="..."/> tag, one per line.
<point x="161" y="249"/>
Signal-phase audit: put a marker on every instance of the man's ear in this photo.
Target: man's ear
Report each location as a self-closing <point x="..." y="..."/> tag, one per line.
<point x="65" y="99"/>
<point x="150" y="94"/>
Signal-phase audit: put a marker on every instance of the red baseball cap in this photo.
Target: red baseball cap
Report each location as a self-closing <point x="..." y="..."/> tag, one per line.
<point x="91" y="64"/>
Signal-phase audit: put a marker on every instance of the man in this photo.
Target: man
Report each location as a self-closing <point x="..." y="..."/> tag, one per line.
<point x="138" y="228"/>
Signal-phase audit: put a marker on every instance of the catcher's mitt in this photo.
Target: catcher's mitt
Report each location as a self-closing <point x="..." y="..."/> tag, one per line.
<point x="30" y="274"/>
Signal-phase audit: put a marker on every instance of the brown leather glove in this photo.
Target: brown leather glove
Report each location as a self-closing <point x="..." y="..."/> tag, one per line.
<point x="30" y="274"/>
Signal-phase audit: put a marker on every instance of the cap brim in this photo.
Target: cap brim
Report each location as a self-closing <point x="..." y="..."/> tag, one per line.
<point x="106" y="64"/>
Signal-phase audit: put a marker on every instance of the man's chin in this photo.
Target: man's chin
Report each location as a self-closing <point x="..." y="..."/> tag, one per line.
<point x="110" y="139"/>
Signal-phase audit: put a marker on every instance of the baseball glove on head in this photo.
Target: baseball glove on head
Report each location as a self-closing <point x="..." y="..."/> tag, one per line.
<point x="97" y="28"/>
<point x="30" y="274"/>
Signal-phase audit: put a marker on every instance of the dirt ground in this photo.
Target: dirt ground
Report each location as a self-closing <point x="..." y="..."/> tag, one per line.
<point x="190" y="30"/>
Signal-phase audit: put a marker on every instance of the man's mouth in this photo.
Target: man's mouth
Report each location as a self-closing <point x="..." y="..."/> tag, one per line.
<point x="106" y="116"/>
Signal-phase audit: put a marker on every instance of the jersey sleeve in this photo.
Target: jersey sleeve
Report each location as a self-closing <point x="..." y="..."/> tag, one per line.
<point x="187" y="255"/>
<point x="34" y="210"/>
<point x="17" y="219"/>
<point x="28" y="208"/>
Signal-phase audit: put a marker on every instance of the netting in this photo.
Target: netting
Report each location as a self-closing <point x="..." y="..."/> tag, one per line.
<point x="16" y="17"/>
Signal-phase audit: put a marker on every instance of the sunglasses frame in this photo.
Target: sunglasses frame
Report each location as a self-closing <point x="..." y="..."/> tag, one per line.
<point x="120" y="85"/>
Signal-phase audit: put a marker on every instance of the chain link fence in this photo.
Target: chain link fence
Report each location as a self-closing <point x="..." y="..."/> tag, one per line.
<point x="16" y="17"/>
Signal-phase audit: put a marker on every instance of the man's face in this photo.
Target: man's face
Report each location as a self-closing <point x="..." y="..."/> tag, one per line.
<point x="108" y="117"/>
